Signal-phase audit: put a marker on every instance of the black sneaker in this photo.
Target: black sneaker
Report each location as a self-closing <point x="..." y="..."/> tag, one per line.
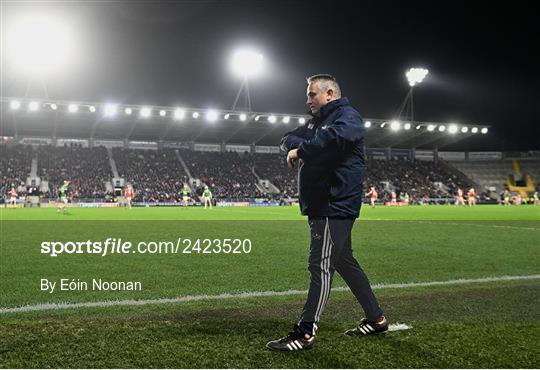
<point x="366" y="327"/>
<point x="296" y="340"/>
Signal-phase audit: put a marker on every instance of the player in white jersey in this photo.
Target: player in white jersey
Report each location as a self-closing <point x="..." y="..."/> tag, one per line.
<point x="459" y="198"/>
<point x="471" y="197"/>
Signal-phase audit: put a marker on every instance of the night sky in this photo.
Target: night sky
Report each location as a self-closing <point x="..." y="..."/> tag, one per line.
<point x="481" y="59"/>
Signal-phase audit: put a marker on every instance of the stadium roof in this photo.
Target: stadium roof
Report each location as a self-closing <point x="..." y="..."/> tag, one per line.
<point x="61" y="119"/>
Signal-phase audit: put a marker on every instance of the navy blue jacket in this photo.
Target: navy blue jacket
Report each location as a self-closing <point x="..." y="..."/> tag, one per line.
<point x="332" y="163"/>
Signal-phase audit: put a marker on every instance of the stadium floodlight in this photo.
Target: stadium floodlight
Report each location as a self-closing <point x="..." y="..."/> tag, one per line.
<point x="395" y="125"/>
<point x="243" y="117"/>
<point x="145" y="112"/>
<point x="431" y="127"/>
<point x="110" y="110"/>
<point x="272" y="119"/>
<point x="53" y="106"/>
<point x="73" y="108"/>
<point x="442" y="128"/>
<point x="416" y="75"/>
<point x="247" y="63"/>
<point x="226" y="116"/>
<point x="39" y="44"/>
<point x="15" y="104"/>
<point x="211" y="115"/>
<point x="92" y="109"/>
<point x="407" y="126"/>
<point x="367" y="124"/>
<point x="484" y="130"/>
<point x="33" y="106"/>
<point x="301" y="120"/>
<point x="452" y="129"/>
<point x="162" y="113"/>
<point x="128" y="111"/>
<point x="195" y="115"/>
<point x="464" y="129"/>
<point x="474" y="130"/>
<point x="179" y="113"/>
<point x="286" y="119"/>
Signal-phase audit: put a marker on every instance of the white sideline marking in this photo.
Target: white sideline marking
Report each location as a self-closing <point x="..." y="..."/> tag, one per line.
<point x="270" y="293"/>
<point x="464" y="223"/>
<point x="396" y="327"/>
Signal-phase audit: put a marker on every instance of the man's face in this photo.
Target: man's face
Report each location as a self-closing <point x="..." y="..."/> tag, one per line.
<point x="317" y="98"/>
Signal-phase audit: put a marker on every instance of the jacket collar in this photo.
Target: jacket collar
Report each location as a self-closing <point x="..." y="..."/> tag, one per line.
<point x="332" y="106"/>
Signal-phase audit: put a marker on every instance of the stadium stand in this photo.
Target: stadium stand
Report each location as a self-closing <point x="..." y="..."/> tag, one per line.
<point x="156" y="176"/>
<point x="15" y="163"/>
<point x="493" y="174"/>
<point x="228" y="174"/>
<point x="86" y="168"/>
<point x="273" y="167"/>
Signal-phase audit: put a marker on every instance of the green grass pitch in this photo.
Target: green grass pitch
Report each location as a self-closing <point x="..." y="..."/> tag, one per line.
<point x="490" y="324"/>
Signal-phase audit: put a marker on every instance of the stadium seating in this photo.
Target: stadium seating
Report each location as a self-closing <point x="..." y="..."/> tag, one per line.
<point x="86" y="168"/>
<point x="229" y="175"/>
<point x="15" y="163"/>
<point x="156" y="176"/>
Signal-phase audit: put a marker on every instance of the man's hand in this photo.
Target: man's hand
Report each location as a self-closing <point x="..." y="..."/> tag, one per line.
<point x="292" y="157"/>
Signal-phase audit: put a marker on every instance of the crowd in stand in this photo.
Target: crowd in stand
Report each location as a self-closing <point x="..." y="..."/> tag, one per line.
<point x="274" y="168"/>
<point x="228" y="174"/>
<point x="419" y="179"/>
<point x="86" y="169"/>
<point x="156" y="176"/>
<point x="15" y="163"/>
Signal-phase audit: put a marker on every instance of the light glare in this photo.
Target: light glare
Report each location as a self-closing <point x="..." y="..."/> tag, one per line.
<point x="15" y="104"/>
<point x="179" y="113"/>
<point x="110" y="110"/>
<point x="247" y="63"/>
<point x="33" y="106"/>
<point x="211" y="115"/>
<point x="416" y="75"/>
<point x="145" y="112"/>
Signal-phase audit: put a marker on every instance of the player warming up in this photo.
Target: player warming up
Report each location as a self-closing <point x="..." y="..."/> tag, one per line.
<point x="373" y="195"/>
<point x="63" y="195"/>
<point x="207" y="197"/>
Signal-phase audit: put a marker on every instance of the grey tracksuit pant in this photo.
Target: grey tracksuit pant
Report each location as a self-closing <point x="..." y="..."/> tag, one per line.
<point x="330" y="250"/>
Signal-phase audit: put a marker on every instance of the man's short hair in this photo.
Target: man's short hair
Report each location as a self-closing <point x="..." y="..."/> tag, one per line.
<point x="327" y="82"/>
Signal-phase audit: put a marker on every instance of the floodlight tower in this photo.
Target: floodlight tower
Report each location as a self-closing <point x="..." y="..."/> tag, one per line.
<point x="246" y="64"/>
<point x="39" y="46"/>
<point x="415" y="76"/>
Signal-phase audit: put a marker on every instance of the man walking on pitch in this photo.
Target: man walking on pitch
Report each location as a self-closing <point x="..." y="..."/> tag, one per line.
<point x="329" y="149"/>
